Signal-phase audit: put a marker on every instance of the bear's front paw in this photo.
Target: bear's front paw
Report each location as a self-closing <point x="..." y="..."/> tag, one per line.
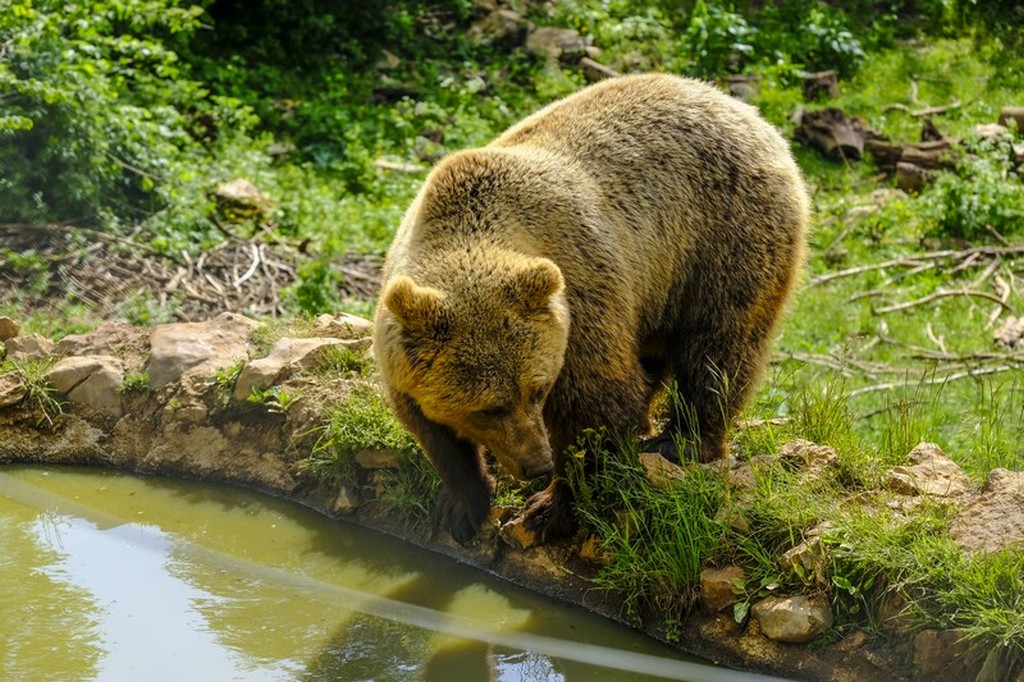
<point x="462" y="516"/>
<point x="548" y="514"/>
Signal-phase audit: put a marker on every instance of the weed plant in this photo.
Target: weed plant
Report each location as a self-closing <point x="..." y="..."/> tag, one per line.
<point x="38" y="392"/>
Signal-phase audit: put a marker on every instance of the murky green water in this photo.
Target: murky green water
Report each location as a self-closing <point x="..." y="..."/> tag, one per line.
<point x="112" y="577"/>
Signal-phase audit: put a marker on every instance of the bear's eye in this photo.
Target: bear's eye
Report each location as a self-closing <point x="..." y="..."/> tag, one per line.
<point x="496" y="411"/>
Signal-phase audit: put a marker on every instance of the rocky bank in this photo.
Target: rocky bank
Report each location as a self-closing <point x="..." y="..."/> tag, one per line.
<point x="204" y="400"/>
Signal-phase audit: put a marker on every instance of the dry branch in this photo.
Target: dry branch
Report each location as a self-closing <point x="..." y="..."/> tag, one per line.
<point x="943" y="293"/>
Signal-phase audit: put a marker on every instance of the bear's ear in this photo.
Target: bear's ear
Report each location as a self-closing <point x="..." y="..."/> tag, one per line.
<point x="534" y="285"/>
<point x="418" y="309"/>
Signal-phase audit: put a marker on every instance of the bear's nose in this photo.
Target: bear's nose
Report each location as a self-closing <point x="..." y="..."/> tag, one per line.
<point x="538" y="470"/>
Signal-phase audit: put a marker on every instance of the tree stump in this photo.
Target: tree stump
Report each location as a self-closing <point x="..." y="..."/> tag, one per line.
<point x="838" y="136"/>
<point x="823" y="83"/>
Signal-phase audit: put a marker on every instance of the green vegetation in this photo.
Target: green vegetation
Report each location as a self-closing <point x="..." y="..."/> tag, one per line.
<point x="39" y="395"/>
<point x="363" y="421"/>
<point x="124" y="116"/>
<point x="135" y="382"/>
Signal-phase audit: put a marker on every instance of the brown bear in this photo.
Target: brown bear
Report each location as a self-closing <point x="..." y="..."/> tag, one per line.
<point x="646" y="229"/>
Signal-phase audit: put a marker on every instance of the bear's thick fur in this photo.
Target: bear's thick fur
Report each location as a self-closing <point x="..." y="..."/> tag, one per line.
<point x="646" y="229"/>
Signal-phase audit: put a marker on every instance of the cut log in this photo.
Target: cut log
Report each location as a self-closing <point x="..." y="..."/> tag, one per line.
<point x="933" y="155"/>
<point x="838" y="136"/>
<point x="595" y="71"/>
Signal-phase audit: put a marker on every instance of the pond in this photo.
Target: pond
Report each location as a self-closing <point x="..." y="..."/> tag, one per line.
<point x="107" y="576"/>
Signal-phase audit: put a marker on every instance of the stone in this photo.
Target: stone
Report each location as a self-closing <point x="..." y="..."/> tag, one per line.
<point x="12" y="390"/>
<point x="344" y="326"/>
<point x="28" y="348"/>
<point x="808" y="561"/>
<point x="556" y="43"/>
<point x="719" y="587"/>
<point x="795" y="620"/>
<point x="9" y="328"/>
<point x="197" y="347"/>
<point x="853" y="641"/>
<point x="377" y="459"/>
<point x="945" y="655"/>
<point x="742" y="477"/>
<point x="517" y="535"/>
<point x="502" y="28"/>
<point x="931" y="473"/>
<point x="733" y="517"/>
<point x="130" y="341"/>
<point x="662" y="473"/>
<point x="592" y="551"/>
<point x="242" y="198"/>
<point x="1010" y="333"/>
<point x="286" y="356"/>
<point x="809" y="456"/>
<point x="995" y="520"/>
<point x="93" y="381"/>
<point x="346" y="502"/>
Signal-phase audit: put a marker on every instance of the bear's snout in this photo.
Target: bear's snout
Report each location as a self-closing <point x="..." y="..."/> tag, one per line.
<point x="536" y="470"/>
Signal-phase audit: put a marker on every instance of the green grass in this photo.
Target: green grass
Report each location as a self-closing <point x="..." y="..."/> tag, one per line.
<point x="362" y="420"/>
<point x="39" y="395"/>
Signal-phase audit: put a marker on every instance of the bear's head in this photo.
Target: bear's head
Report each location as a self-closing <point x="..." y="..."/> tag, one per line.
<point x="480" y="352"/>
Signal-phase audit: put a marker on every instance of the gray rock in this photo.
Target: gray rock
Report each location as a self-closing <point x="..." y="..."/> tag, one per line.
<point x="793" y="619"/>
<point x="718" y="587"/>
<point x="286" y="356"/>
<point x="932" y="473"/>
<point x="28" y="348"/>
<point x="9" y="328"/>
<point x="995" y="520"/>
<point x="90" y="380"/>
<point x="197" y="347"/>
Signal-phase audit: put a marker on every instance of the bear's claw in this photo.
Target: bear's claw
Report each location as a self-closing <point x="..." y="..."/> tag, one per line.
<point x="462" y="519"/>
<point x="548" y="514"/>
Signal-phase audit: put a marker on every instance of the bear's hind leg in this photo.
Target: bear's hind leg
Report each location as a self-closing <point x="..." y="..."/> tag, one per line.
<point x="716" y="372"/>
